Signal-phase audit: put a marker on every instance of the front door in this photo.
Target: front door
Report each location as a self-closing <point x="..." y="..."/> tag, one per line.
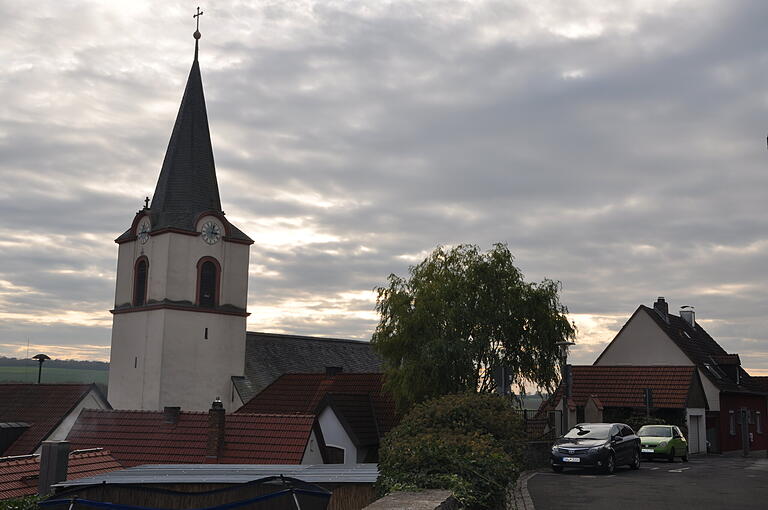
<point x="693" y="434"/>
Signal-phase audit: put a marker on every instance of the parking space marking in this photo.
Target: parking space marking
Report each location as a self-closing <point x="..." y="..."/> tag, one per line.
<point x="678" y="470"/>
<point x="654" y="469"/>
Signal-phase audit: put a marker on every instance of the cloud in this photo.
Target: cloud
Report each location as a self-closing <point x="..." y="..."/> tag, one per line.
<point x="616" y="148"/>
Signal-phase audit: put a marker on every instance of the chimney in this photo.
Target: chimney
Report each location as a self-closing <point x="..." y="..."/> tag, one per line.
<point x="688" y="314"/>
<point x="216" y="422"/>
<point x="662" y="308"/>
<point x="331" y="371"/>
<point x="171" y="414"/>
<point x="54" y="458"/>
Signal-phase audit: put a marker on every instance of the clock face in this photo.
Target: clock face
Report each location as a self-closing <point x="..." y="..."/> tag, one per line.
<point x="143" y="234"/>
<point x="211" y="232"/>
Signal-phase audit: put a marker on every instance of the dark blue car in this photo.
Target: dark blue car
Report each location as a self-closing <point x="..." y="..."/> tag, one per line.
<point x="597" y="445"/>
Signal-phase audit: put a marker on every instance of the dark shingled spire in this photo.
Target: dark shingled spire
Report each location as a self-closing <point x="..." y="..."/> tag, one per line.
<point x="187" y="185"/>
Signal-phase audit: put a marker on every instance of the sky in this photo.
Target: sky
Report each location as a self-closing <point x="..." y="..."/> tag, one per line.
<point x="617" y="147"/>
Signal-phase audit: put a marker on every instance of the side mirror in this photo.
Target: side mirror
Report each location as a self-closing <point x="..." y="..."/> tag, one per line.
<point x="616" y="439"/>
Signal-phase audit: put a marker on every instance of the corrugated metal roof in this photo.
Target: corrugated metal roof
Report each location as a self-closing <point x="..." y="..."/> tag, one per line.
<point x="232" y="474"/>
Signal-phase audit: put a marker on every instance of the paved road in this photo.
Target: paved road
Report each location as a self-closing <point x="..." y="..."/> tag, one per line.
<point x="704" y="483"/>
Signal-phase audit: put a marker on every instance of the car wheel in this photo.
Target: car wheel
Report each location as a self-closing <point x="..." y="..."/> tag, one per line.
<point x="685" y="455"/>
<point x="635" y="460"/>
<point x="671" y="457"/>
<point x="557" y="469"/>
<point x="610" y="465"/>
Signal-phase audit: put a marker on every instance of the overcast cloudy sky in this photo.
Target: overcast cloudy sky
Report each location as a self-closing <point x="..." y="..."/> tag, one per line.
<point x="619" y="147"/>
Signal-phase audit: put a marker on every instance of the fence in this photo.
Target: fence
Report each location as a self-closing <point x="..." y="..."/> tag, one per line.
<point x="541" y="426"/>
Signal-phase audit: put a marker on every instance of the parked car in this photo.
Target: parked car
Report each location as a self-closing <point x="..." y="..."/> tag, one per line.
<point x="665" y="441"/>
<point x="597" y="445"/>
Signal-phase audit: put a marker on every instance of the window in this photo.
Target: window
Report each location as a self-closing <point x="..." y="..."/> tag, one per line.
<point x="140" y="273"/>
<point x="208" y="283"/>
<point x="626" y="431"/>
<point x="334" y="455"/>
<point x="758" y="422"/>
<point x="732" y="422"/>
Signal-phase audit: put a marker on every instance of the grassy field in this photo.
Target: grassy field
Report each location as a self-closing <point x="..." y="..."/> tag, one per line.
<point x="52" y="375"/>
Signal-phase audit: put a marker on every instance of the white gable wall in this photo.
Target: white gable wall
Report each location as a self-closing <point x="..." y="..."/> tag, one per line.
<point x="643" y="342"/>
<point x="312" y="454"/>
<point x="60" y="433"/>
<point x="335" y="435"/>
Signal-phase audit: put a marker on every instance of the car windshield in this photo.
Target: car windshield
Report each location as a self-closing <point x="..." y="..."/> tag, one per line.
<point x="589" y="431"/>
<point x="648" y="431"/>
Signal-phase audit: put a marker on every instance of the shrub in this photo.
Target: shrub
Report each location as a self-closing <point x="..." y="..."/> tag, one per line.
<point x="468" y="443"/>
<point x="638" y="421"/>
<point x="23" y="503"/>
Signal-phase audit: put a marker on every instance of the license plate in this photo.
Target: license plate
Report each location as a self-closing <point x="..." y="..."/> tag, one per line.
<point x="647" y="450"/>
<point x="571" y="459"/>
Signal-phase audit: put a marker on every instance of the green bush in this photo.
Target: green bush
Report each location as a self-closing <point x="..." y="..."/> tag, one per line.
<point x="24" y="503"/>
<point x="469" y="444"/>
<point x="638" y="421"/>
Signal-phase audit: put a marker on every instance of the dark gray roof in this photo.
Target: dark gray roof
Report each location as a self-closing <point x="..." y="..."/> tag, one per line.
<point x="270" y="355"/>
<point x="232" y="474"/>
<point x="187" y="185"/>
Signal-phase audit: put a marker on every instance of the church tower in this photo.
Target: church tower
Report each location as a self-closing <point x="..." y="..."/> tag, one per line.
<point x="178" y="330"/>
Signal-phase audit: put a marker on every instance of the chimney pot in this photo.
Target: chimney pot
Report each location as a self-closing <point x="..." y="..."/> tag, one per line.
<point x="688" y="314"/>
<point x="662" y="308"/>
<point x="171" y="414"/>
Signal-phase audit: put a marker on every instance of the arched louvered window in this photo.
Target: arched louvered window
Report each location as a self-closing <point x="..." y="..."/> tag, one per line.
<point x="208" y="283"/>
<point x="140" y="274"/>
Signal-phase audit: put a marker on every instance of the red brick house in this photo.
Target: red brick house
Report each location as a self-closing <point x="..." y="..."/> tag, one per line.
<point x="352" y="409"/>
<point x="194" y="437"/>
<point x="653" y="336"/>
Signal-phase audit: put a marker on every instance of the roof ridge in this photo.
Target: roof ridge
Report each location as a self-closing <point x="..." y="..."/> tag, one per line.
<point x="307" y="337"/>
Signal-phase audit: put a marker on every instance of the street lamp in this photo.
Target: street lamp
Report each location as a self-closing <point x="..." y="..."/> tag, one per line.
<point x="565" y="380"/>
<point x="40" y="359"/>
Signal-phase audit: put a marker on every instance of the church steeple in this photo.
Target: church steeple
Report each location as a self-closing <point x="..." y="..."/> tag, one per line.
<point x="187" y="184"/>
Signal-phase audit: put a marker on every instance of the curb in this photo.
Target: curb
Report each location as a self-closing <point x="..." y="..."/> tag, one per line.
<point x="519" y="498"/>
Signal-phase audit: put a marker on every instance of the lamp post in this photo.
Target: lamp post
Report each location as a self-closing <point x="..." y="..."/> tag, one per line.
<point x="565" y="378"/>
<point x="40" y="359"/>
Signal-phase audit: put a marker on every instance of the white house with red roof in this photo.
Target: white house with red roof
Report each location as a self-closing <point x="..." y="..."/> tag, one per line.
<point x="653" y="336"/>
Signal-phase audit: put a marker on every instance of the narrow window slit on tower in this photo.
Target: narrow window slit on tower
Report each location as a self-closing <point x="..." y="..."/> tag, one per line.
<point x="206" y="333"/>
<point x="135" y="361"/>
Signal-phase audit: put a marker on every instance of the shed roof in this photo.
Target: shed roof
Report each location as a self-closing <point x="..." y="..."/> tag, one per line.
<point x="622" y="386"/>
<point x="144" y="437"/>
<point x="233" y="474"/>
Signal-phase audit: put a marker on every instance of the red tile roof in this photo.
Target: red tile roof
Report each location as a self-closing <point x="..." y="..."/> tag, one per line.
<point x="303" y="393"/>
<point x="42" y="406"/>
<point x="143" y="437"/>
<point x="19" y="477"/>
<point x="622" y="386"/>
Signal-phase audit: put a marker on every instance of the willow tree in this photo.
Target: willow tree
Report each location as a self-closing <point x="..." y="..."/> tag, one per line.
<point x="461" y="315"/>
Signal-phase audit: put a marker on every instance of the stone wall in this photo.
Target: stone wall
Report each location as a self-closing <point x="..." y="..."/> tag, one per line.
<point x="432" y="499"/>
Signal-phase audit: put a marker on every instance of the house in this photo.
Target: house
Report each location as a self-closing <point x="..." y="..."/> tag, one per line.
<point x="353" y="410"/>
<point x="173" y="436"/>
<point x="653" y="336"/>
<point x="270" y="355"/>
<point x="19" y="475"/>
<point x="614" y="393"/>
<point x="33" y="413"/>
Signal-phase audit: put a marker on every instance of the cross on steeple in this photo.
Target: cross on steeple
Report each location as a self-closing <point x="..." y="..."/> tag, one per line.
<point x="197" y="17"/>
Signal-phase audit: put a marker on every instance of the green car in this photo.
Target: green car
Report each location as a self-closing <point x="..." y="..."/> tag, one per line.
<point x="665" y="441"/>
